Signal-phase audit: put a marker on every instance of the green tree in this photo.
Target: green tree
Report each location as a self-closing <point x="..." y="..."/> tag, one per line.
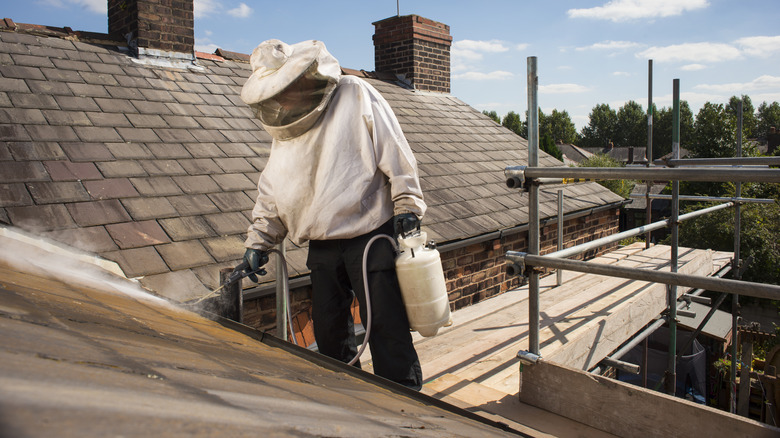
<point x="768" y="116"/>
<point x="662" y="129"/>
<point x="547" y="144"/>
<point x="512" y="122"/>
<point x="759" y="237"/>
<point x="621" y="187"/>
<point x="631" y="125"/>
<point x="493" y="115"/>
<point x="558" y="126"/>
<point x="749" y="121"/>
<point x="601" y="129"/>
<point x="713" y="133"/>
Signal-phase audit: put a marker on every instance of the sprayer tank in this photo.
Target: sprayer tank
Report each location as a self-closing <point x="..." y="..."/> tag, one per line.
<point x="424" y="291"/>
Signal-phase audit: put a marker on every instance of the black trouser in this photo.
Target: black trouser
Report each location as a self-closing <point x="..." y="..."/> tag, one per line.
<point x="336" y="270"/>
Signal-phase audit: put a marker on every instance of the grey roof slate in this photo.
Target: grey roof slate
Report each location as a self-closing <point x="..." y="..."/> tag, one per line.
<point x="95" y="147"/>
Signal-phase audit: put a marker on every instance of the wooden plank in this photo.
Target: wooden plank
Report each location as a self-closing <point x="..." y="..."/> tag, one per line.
<point x="627" y="410"/>
<point x="485" y="338"/>
<point x="592" y="332"/>
<point x="499" y="406"/>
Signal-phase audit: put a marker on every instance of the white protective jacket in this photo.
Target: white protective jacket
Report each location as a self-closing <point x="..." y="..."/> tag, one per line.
<point x="344" y="177"/>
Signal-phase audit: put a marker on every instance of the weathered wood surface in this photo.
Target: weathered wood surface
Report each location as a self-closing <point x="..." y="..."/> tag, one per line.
<point x="499" y="406"/>
<point x="582" y="320"/>
<point x="628" y="410"/>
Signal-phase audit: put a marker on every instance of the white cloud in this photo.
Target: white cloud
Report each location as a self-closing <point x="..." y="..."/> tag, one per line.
<point x="691" y="52"/>
<point x="625" y="10"/>
<point x="765" y="82"/>
<point x="242" y="11"/>
<point x="763" y="46"/>
<point x="203" y="8"/>
<point x="206" y="48"/>
<point x="94" y="6"/>
<point x="479" y="76"/>
<point x="470" y="50"/>
<point x="563" y="89"/>
<point x="693" y="67"/>
<point x="621" y="73"/>
<point x="205" y="45"/>
<point x="609" y="45"/>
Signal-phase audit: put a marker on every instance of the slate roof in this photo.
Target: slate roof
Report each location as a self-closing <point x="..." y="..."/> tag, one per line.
<point x="155" y="168"/>
<point x="573" y="154"/>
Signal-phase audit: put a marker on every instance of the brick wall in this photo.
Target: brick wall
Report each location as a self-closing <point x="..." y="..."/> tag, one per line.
<point x="415" y="47"/>
<point x="155" y="24"/>
<point x="473" y="273"/>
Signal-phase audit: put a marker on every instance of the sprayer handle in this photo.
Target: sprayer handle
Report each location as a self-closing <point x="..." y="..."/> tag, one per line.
<point x="404" y="223"/>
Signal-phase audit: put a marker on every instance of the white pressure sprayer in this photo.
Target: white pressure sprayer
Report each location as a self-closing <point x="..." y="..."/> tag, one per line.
<point x="421" y="278"/>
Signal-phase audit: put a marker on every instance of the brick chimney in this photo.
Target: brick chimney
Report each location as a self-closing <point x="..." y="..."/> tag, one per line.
<point x="154" y="26"/>
<point x="415" y="49"/>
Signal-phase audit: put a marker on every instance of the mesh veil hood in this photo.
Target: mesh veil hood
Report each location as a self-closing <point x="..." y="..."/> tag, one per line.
<point x="278" y="71"/>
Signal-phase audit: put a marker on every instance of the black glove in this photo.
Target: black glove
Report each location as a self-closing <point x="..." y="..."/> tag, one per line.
<point x="253" y="260"/>
<point x="404" y="223"/>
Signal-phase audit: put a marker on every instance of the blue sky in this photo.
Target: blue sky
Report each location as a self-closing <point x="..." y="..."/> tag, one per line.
<point x="589" y="51"/>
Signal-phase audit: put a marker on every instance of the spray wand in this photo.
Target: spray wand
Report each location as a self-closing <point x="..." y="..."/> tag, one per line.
<point x="238" y="273"/>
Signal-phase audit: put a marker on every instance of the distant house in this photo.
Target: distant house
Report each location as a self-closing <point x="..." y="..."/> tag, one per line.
<point x="625" y="155"/>
<point x="573" y="155"/>
<point x="145" y="155"/>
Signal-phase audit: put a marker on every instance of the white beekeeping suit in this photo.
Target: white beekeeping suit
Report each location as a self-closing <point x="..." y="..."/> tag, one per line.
<point x="340" y="172"/>
<point x="353" y="168"/>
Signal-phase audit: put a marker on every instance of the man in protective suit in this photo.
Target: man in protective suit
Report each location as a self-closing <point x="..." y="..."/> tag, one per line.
<point x="339" y="173"/>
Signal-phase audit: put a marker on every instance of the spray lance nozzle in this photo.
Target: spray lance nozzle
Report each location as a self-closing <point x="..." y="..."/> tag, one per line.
<point x="239" y="272"/>
<point x="242" y="270"/>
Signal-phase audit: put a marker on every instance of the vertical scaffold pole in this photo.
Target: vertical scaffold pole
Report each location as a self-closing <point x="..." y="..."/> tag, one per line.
<point x="533" y="207"/>
<point x="559" y="273"/>
<point x="671" y="372"/>
<point x="649" y="151"/>
<point x="737" y="271"/>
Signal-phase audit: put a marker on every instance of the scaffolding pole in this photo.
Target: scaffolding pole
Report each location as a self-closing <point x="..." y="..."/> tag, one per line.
<point x="523" y="176"/>
<point x="649" y="151"/>
<point x="747" y="288"/>
<point x="671" y="297"/>
<point x="726" y="161"/>
<point x="593" y="244"/>
<point x="533" y="208"/>
<point x="737" y="270"/>
<point x="710" y="199"/>
<point x="559" y="273"/>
